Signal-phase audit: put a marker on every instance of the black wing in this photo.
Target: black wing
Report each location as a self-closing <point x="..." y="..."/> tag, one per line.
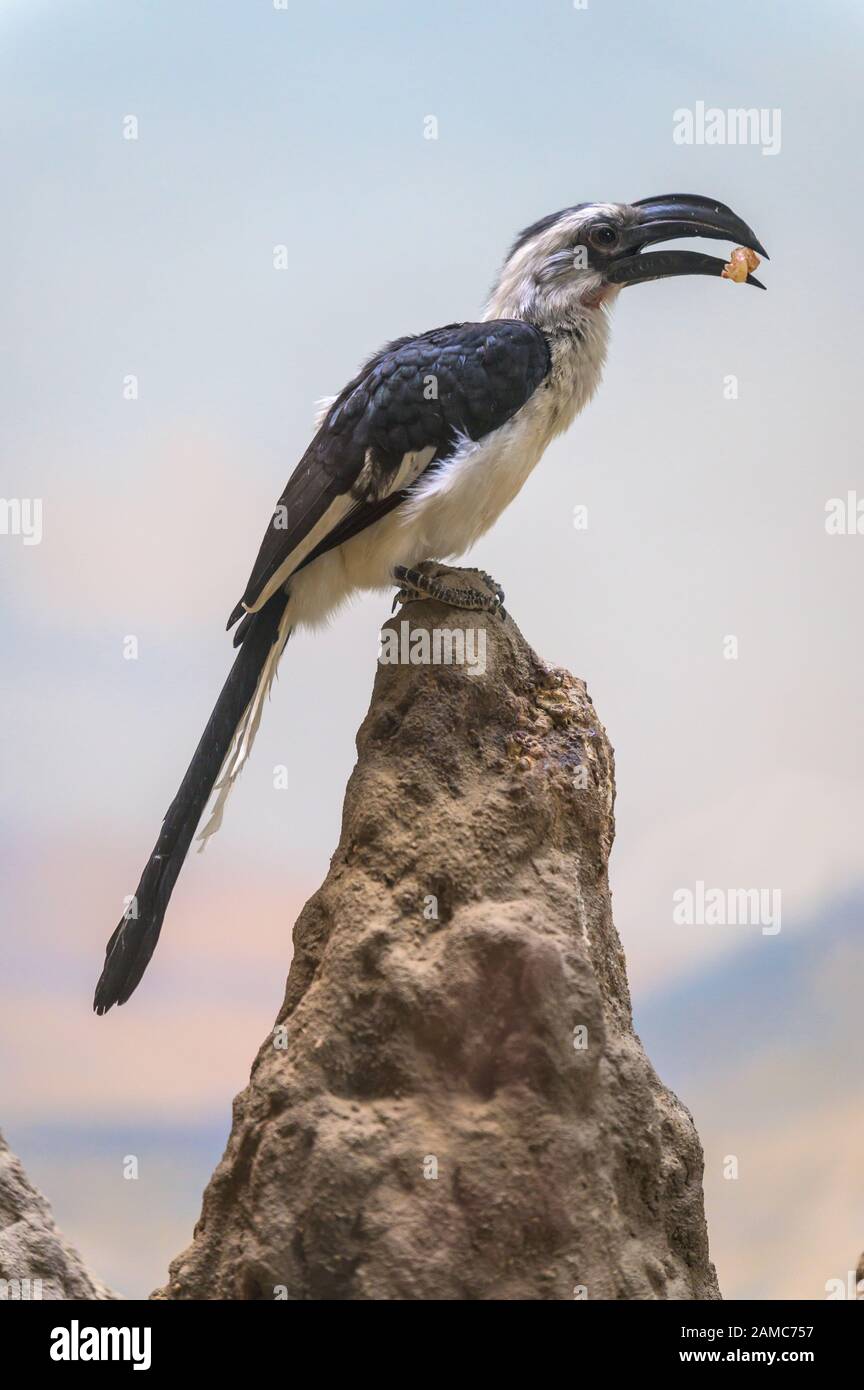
<point x="414" y="397"/>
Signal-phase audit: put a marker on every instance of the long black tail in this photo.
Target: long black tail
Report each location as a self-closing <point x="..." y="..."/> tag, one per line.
<point x="134" y="940"/>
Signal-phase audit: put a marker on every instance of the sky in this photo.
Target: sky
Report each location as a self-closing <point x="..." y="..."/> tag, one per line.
<point x="713" y="616"/>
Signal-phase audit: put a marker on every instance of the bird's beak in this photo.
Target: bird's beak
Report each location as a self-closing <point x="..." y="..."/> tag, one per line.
<point x="678" y="215"/>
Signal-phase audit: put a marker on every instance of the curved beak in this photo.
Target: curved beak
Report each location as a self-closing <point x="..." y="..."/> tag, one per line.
<point x="678" y="215"/>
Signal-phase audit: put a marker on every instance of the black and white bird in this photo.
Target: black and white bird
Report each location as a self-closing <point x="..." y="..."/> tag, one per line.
<point x="412" y="462"/>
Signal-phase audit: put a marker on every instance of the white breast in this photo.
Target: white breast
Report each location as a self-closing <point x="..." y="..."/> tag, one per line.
<point x="458" y="501"/>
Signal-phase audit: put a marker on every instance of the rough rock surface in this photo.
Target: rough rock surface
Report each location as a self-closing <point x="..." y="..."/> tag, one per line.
<point x="453" y="1104"/>
<point x="35" y="1260"/>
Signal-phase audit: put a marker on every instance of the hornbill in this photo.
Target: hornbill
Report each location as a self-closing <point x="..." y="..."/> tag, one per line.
<point x="410" y="464"/>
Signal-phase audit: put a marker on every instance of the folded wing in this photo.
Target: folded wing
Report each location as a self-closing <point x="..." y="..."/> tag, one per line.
<point x="402" y="412"/>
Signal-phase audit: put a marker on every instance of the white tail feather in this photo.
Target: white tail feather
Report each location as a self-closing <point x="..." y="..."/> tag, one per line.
<point x="244" y="735"/>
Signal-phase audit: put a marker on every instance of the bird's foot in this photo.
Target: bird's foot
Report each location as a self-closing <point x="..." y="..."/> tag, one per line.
<point x="489" y="582"/>
<point x="424" y="582"/>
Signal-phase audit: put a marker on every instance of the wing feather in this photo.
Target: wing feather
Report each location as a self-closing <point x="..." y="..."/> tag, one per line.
<point x="403" y="410"/>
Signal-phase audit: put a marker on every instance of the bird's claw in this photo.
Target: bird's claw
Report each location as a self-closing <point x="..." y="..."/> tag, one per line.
<point x="404" y="596"/>
<point x="416" y="585"/>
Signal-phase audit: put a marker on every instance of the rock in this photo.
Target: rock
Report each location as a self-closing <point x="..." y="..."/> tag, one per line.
<point x="35" y="1260"/>
<point x="453" y="1104"/>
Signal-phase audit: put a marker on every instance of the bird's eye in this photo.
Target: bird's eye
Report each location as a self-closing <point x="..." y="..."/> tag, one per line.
<point x="603" y="236"/>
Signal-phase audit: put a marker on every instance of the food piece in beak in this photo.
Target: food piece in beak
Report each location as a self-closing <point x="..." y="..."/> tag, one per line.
<point x="668" y="218"/>
<point x="740" y="264"/>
